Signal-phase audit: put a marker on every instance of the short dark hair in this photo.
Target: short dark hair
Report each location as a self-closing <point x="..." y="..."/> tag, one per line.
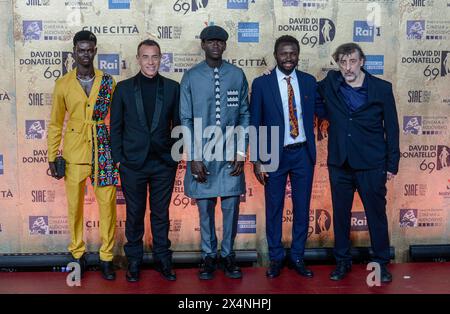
<point x="148" y="42"/>
<point x="286" y="39"/>
<point x="84" y="35"/>
<point x="347" y="49"/>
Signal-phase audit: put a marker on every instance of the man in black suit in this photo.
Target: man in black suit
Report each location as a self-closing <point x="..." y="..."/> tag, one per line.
<point x="144" y="110"/>
<point x="363" y="152"/>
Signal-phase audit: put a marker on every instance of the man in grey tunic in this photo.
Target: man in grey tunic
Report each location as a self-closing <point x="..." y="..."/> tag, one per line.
<point x="214" y="101"/>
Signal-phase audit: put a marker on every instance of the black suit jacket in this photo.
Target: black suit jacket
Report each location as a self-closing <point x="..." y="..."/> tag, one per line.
<point x="131" y="136"/>
<point x="368" y="137"/>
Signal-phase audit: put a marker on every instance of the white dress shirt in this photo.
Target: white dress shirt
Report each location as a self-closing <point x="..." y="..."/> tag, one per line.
<point x="282" y="85"/>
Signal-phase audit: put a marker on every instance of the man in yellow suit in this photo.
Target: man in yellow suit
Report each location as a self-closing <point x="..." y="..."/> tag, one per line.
<point x="85" y="93"/>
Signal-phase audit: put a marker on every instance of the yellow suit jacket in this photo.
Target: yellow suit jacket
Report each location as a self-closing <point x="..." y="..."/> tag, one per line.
<point x="69" y="96"/>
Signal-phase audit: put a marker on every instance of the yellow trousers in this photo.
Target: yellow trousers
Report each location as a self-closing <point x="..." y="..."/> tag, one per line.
<point x="75" y="180"/>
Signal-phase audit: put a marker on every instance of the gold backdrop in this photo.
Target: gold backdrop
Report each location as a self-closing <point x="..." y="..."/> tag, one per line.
<point x="406" y="42"/>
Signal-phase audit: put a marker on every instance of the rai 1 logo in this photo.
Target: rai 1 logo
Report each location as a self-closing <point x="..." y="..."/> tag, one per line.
<point x="189" y="5"/>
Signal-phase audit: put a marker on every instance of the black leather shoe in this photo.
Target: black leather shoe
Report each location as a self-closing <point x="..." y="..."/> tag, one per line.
<point x="133" y="272"/>
<point x="342" y="268"/>
<point x="207" y="268"/>
<point x="274" y="269"/>
<point x="107" y="269"/>
<point x="300" y="268"/>
<point x="386" y="276"/>
<point x="83" y="264"/>
<point x="228" y="264"/>
<point x="165" y="269"/>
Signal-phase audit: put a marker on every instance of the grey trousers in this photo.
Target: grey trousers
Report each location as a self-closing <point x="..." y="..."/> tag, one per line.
<point x="230" y="212"/>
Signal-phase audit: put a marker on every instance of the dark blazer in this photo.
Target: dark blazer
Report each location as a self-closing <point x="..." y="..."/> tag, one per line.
<point x="266" y="109"/>
<point x="368" y="137"/>
<point x="131" y="136"/>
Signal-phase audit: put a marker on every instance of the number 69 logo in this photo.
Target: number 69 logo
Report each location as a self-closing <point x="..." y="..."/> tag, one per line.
<point x="189" y="5"/>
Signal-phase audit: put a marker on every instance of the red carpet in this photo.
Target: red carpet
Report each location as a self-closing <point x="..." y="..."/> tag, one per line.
<point x="424" y="278"/>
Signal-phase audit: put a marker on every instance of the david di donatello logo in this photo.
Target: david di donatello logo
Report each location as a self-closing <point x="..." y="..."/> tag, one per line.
<point x="186" y="6"/>
<point x="323" y="221"/>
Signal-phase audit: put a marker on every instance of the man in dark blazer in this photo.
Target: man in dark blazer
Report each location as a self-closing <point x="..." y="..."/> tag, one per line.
<point x="286" y="99"/>
<point x="144" y="111"/>
<point x="363" y="152"/>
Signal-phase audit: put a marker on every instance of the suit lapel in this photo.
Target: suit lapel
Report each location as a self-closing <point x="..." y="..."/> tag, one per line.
<point x="77" y="85"/>
<point x="94" y="93"/>
<point x="159" y="102"/>
<point x="139" y="103"/>
<point x="371" y="91"/>
<point x="336" y="83"/>
<point x="273" y="81"/>
<point x="303" y="92"/>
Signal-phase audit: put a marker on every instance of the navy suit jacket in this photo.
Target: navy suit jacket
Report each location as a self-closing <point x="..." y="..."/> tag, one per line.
<point x="266" y="109"/>
<point x="369" y="137"/>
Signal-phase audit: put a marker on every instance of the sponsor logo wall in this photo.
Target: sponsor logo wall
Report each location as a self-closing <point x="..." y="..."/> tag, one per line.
<point x="411" y="50"/>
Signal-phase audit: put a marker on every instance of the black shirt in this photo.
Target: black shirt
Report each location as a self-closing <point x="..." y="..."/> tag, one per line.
<point x="148" y="91"/>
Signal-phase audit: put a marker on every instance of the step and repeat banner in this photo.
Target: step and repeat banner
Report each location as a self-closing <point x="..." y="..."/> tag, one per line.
<point x="407" y="42"/>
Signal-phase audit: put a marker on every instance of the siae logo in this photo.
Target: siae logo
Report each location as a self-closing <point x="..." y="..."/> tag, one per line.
<point x="417" y="3"/>
<point x="38" y="3"/>
<point x="189" y="5"/>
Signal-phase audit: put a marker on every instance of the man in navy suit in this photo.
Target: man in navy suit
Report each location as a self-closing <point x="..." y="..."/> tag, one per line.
<point x="286" y="99"/>
<point x="363" y="152"/>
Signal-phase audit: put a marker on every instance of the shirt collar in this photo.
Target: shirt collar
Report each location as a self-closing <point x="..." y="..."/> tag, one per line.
<point x="281" y="76"/>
